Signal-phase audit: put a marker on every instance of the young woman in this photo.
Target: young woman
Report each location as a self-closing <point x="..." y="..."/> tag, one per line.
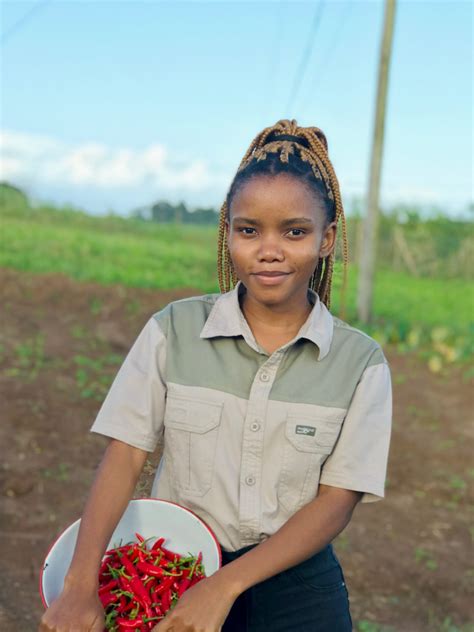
<point x="276" y="414"/>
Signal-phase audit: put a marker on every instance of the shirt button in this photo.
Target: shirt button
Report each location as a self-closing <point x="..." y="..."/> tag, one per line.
<point x="250" y="480"/>
<point x="264" y="377"/>
<point x="255" y="426"/>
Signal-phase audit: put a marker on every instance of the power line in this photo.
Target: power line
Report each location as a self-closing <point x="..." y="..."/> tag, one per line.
<point x="330" y="50"/>
<point x="275" y="57"/>
<point x="26" y="17"/>
<point x="306" y="55"/>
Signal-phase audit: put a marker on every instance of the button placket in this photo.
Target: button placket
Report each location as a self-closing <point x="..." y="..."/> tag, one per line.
<point x="252" y="450"/>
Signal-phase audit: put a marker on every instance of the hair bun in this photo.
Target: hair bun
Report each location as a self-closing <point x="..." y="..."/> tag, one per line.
<point x="301" y="140"/>
<point x="296" y="139"/>
<point x="320" y="135"/>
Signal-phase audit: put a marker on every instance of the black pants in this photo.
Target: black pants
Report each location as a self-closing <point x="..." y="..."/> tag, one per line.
<point x="309" y="597"/>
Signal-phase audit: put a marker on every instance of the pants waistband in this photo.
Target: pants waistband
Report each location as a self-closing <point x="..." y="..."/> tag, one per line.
<point x="321" y="557"/>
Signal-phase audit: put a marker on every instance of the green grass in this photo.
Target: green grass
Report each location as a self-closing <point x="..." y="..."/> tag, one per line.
<point x="167" y="256"/>
<point x="416" y="301"/>
<point x="408" y="310"/>
<point x="164" y="256"/>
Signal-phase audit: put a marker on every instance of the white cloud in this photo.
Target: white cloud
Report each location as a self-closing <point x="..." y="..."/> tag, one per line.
<point x="45" y="160"/>
<point x="397" y="192"/>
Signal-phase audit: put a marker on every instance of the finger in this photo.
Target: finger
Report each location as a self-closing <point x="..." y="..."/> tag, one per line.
<point x="97" y="624"/>
<point x="43" y="626"/>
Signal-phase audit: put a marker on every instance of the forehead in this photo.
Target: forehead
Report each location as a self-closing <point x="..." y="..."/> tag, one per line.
<point x="275" y="198"/>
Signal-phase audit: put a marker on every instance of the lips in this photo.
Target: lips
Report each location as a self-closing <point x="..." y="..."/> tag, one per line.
<point x="270" y="274"/>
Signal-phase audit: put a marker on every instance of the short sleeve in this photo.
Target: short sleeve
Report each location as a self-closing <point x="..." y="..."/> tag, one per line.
<point x="133" y="409"/>
<point x="360" y="456"/>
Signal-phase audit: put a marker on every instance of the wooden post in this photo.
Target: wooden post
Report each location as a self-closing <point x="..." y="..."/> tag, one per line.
<point x="369" y="239"/>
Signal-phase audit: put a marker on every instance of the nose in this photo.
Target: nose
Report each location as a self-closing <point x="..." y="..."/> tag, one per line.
<point x="270" y="249"/>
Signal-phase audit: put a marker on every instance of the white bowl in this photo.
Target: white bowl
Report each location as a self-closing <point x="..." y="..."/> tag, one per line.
<point x="184" y="531"/>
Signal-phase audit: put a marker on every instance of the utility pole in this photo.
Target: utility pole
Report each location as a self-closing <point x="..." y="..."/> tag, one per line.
<point x="369" y="232"/>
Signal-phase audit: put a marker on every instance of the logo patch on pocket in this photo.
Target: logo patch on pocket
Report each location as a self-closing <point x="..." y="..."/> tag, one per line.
<point x="306" y="430"/>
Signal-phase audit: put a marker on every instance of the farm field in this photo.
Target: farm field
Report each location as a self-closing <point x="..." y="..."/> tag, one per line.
<point x="406" y="559"/>
<point x="430" y="315"/>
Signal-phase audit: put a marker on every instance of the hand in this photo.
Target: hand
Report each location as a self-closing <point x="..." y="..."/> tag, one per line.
<point x="202" y="608"/>
<point x="74" y="610"/>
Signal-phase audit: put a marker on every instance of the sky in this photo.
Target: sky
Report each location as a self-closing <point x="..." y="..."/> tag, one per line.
<point x="112" y="105"/>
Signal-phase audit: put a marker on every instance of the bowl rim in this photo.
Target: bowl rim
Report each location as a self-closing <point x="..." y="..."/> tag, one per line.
<point x="153" y="498"/>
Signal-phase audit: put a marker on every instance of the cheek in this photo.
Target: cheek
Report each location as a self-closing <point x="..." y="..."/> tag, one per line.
<point x="309" y="249"/>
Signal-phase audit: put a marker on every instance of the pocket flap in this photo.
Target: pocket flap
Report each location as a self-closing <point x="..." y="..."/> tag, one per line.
<point x="312" y="433"/>
<point x="192" y="415"/>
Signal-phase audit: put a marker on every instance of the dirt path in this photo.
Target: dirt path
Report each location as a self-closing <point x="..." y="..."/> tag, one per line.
<point x="407" y="560"/>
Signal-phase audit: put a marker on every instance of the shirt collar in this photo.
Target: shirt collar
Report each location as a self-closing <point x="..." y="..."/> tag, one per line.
<point x="226" y="319"/>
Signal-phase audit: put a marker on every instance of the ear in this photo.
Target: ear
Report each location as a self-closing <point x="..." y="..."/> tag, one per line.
<point x="328" y="242"/>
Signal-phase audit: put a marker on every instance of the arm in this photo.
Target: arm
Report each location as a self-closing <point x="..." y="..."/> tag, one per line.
<point x="110" y="494"/>
<point x="308" y="531"/>
<point x="132" y="416"/>
<point x="78" y="604"/>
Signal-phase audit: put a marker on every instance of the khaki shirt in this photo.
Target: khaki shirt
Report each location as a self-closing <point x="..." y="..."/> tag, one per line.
<point x="248" y="436"/>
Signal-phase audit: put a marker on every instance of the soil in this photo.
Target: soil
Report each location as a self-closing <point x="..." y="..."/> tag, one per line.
<point x="407" y="559"/>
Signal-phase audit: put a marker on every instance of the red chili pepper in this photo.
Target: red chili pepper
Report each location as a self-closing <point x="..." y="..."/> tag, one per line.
<point x="151" y="569"/>
<point x="103" y="565"/>
<point x="113" y="583"/>
<point x="148" y="611"/>
<point x="175" y="585"/>
<point x="126" y="585"/>
<point x="119" y="548"/>
<point x="158" y="558"/>
<point x="122" y="605"/>
<point x="149" y="582"/>
<point x="183" y="586"/>
<point x="131" y="624"/>
<point x="135" y="582"/>
<point x="174" y="557"/>
<point x="126" y="607"/>
<point x="108" y="598"/>
<point x="165" y="585"/>
<point x="157" y="544"/>
<point x="166" y="600"/>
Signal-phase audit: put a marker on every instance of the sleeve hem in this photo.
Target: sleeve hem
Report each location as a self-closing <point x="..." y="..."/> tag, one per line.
<point x="372" y="491"/>
<point x="111" y="430"/>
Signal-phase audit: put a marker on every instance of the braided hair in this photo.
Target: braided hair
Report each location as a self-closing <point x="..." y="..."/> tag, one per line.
<point x="301" y="152"/>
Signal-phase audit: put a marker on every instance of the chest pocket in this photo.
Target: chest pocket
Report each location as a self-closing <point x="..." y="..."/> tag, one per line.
<point x="191" y="432"/>
<point x="309" y="439"/>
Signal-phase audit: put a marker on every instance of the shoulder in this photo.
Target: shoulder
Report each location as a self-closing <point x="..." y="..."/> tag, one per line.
<point x="192" y="311"/>
<point x="355" y="343"/>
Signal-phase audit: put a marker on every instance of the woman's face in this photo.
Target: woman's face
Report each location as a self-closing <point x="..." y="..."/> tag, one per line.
<point x="277" y="225"/>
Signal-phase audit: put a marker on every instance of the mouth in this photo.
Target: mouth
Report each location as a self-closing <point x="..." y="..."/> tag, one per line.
<point x="272" y="273"/>
<point x="271" y="278"/>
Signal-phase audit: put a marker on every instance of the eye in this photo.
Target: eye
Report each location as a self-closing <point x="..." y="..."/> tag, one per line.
<point x="239" y="230"/>
<point x="300" y="230"/>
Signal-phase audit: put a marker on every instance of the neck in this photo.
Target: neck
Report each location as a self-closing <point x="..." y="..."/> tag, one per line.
<point x="278" y="317"/>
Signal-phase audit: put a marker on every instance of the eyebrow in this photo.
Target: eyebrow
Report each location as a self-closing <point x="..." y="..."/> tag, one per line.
<point x="285" y="222"/>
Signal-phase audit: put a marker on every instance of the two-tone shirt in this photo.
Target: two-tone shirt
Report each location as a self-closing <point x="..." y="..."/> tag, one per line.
<point x="248" y="435"/>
